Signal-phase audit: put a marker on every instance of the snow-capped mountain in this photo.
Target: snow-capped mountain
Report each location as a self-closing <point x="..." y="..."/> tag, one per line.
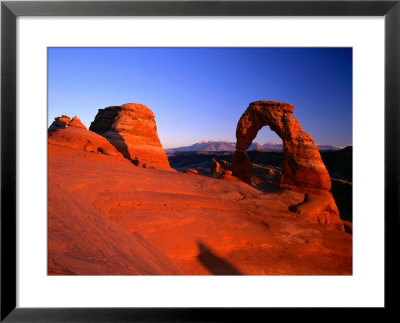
<point x="223" y="145"/>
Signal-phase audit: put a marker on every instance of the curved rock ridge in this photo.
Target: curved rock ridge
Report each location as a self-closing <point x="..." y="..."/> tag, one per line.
<point x="302" y="170"/>
<point x="72" y="133"/>
<point x="132" y="129"/>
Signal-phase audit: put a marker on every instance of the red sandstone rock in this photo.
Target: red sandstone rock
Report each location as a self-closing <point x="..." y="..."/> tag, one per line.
<point x="82" y="240"/>
<point x="106" y="217"/>
<point x="227" y="175"/>
<point x="132" y="129"/>
<point x="303" y="169"/>
<point x="191" y="171"/>
<point x="241" y="165"/>
<point x="76" y="122"/>
<point x="303" y="166"/>
<point x="215" y="167"/>
<point x="319" y="208"/>
<point x="348" y="226"/>
<point x="73" y="133"/>
<point x="59" y="123"/>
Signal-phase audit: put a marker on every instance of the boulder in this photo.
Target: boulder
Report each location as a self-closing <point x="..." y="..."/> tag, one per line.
<point x="227" y="175"/>
<point x="131" y="128"/>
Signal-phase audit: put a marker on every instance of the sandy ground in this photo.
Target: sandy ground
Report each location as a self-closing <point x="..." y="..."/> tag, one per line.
<point x="107" y="216"/>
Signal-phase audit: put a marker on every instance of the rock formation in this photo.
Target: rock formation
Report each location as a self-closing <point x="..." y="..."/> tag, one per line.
<point x="225" y="164"/>
<point x="302" y="170"/>
<point x="215" y="167"/>
<point x="59" y="123"/>
<point x="227" y="174"/>
<point x="73" y="133"/>
<point x="241" y="165"/>
<point x="132" y="129"/>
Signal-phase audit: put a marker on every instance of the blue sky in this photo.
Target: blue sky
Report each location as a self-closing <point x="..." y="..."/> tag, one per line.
<point x="200" y="93"/>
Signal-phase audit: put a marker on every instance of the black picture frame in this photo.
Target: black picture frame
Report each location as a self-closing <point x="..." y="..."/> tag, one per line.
<point x="10" y="10"/>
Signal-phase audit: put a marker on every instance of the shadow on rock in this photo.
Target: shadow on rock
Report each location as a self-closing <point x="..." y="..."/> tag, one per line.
<point x="214" y="264"/>
<point x="265" y="186"/>
<point x="119" y="143"/>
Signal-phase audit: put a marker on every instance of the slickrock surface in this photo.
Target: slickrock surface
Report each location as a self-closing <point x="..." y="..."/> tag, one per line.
<point x="191" y="171"/>
<point x="107" y="216"/>
<point x="132" y="129"/>
<point x="73" y="133"/>
<point x="303" y="169"/>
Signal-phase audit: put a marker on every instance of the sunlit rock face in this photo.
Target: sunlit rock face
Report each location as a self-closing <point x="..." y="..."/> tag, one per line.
<point x="59" y="123"/>
<point x="72" y="133"/>
<point x="132" y="129"/>
<point x="302" y="170"/>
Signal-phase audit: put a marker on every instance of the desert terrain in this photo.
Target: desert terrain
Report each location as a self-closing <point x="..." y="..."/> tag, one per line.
<point x="118" y="206"/>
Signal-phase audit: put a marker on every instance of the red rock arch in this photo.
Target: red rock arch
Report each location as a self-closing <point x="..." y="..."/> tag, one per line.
<point x="302" y="169"/>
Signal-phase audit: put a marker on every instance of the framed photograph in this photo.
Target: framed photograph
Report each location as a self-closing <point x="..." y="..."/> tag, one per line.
<point x="197" y="161"/>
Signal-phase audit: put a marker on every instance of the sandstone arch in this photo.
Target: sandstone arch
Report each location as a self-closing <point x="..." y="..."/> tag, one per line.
<point x="302" y="169"/>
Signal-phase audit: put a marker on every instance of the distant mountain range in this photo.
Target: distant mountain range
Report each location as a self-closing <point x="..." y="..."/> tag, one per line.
<point x="213" y="145"/>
